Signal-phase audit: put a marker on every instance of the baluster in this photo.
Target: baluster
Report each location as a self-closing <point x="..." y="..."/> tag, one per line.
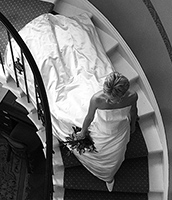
<point x="2" y="63"/>
<point x="39" y="106"/>
<point x="25" y="79"/>
<point x="37" y="101"/>
<point x="15" y="71"/>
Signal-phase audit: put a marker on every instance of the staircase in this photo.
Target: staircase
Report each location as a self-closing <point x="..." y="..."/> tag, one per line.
<point x="144" y="173"/>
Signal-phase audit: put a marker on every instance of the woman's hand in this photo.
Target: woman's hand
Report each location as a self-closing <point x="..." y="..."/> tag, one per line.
<point x="80" y="135"/>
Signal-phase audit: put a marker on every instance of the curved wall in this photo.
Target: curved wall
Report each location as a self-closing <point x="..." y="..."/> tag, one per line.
<point x="146" y="26"/>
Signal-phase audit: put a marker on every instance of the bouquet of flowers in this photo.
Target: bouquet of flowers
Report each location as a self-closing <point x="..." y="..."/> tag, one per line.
<point x="81" y="145"/>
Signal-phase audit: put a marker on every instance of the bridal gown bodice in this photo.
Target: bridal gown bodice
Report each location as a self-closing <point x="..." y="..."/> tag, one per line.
<point x="110" y="131"/>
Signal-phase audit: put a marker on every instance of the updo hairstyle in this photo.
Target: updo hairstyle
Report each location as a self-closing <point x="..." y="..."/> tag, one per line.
<point x="116" y="85"/>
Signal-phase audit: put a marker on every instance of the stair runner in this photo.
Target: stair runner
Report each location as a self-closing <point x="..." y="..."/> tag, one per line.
<point x="131" y="181"/>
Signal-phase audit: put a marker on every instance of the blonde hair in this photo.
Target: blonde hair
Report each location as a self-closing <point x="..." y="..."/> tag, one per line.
<point x="116" y="85"/>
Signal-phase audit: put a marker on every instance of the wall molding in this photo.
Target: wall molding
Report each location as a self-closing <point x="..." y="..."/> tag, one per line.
<point x="159" y="25"/>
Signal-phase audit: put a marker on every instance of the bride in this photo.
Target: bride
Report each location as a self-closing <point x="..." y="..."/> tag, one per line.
<point x="111" y="114"/>
<point x="75" y="69"/>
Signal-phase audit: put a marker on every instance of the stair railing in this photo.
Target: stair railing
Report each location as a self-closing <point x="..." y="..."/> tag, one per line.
<point x="41" y="98"/>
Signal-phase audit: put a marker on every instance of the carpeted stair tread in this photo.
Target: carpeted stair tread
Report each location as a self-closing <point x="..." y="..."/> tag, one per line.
<point x="131" y="177"/>
<point x="100" y="195"/>
<point x="69" y="159"/>
<point x="136" y="148"/>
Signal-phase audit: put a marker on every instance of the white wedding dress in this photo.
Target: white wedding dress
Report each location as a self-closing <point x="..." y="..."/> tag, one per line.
<point x="73" y="65"/>
<point x="110" y="131"/>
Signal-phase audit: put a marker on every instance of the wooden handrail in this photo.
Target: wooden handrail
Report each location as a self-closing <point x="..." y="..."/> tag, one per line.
<point x="48" y="190"/>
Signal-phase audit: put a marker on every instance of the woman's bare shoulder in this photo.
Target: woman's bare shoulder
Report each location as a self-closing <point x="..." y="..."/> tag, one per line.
<point x="99" y="100"/>
<point x="98" y="97"/>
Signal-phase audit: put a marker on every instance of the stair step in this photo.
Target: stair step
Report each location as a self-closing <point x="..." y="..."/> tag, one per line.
<point x="34" y="118"/>
<point x="3" y="77"/>
<point x="156" y="173"/>
<point x="155" y="196"/>
<point x="69" y="10"/>
<point x="100" y="195"/>
<point x="28" y="105"/>
<point x="58" y="193"/>
<point x="57" y="158"/>
<point x="144" y="107"/>
<point x="84" y="195"/>
<point x="3" y="92"/>
<point x="122" y="66"/>
<point x="11" y="85"/>
<point x="151" y="135"/>
<point x="155" y="150"/>
<point x="109" y="43"/>
<point x="58" y="176"/>
<point x="42" y="135"/>
<point x="131" y="177"/>
<point x="58" y="170"/>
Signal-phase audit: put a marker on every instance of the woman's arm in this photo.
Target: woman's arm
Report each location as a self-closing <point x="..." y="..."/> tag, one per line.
<point x="133" y="113"/>
<point x="88" y="119"/>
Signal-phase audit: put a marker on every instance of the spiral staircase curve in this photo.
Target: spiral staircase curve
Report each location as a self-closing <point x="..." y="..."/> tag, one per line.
<point x="77" y="182"/>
